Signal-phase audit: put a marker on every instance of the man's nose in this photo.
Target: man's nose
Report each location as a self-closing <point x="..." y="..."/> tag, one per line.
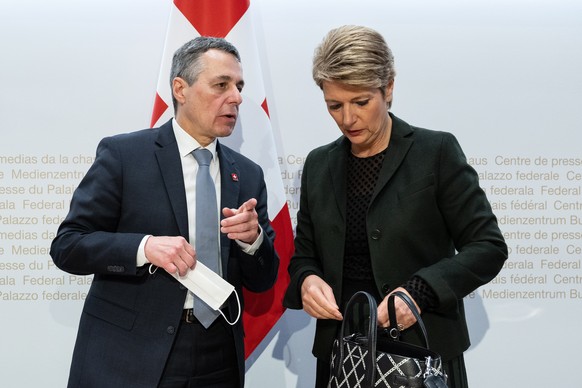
<point x="235" y="96"/>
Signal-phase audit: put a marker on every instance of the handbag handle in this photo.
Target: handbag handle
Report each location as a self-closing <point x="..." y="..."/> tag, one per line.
<point x="393" y="330"/>
<point x="372" y="335"/>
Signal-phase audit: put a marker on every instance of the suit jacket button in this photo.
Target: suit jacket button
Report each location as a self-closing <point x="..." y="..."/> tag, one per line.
<point x="386" y="289"/>
<point x="171" y="329"/>
<point x="115" y="268"/>
<point x="376" y="234"/>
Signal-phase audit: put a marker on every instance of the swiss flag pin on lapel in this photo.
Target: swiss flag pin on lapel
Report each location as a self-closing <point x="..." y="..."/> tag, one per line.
<point x="234" y="177"/>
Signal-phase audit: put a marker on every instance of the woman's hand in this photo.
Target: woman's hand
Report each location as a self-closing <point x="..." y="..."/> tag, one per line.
<point x="318" y="299"/>
<point x="404" y="316"/>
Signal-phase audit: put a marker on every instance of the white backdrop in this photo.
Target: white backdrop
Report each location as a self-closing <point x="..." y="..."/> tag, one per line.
<point x="504" y="76"/>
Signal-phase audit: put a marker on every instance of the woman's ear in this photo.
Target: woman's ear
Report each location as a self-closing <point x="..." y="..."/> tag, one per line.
<point x="388" y="91"/>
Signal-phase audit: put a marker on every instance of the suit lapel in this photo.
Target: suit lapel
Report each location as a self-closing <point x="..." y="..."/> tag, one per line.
<point x="168" y="157"/>
<point x="229" y="194"/>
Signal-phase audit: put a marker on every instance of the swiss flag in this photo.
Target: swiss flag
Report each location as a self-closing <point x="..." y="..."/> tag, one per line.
<point x="253" y="136"/>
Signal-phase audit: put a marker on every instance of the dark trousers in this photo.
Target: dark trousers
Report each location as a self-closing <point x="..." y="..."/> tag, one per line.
<point x="202" y="358"/>
<point x="455" y="369"/>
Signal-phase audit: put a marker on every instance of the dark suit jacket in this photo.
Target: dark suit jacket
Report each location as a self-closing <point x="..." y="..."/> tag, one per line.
<point x="427" y="203"/>
<point x="135" y="187"/>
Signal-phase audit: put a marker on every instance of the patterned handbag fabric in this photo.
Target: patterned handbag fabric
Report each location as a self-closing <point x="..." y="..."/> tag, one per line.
<point x="366" y="360"/>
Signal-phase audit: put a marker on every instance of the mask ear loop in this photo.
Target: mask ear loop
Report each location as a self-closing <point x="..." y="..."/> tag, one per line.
<point x="220" y="311"/>
<point x="238" y="315"/>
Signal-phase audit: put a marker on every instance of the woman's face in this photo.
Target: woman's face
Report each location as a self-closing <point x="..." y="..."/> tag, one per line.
<point x="361" y="114"/>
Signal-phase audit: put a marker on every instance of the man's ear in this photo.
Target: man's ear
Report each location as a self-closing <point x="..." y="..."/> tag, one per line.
<point x="178" y="87"/>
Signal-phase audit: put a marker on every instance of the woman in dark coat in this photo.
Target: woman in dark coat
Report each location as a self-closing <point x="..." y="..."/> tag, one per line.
<point x="387" y="206"/>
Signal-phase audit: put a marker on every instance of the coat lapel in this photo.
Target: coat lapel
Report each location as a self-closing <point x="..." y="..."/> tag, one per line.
<point x="399" y="145"/>
<point x="337" y="165"/>
<point x="168" y="157"/>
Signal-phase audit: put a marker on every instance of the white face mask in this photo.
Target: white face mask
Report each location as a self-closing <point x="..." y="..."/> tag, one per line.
<point x="208" y="286"/>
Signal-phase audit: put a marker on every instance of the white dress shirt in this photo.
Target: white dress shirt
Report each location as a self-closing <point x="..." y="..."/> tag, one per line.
<point x="187" y="144"/>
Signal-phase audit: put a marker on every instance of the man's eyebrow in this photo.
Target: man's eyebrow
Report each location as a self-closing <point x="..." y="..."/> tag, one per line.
<point x="222" y="78"/>
<point x="226" y="78"/>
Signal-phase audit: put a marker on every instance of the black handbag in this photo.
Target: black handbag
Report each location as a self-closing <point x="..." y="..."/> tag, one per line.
<point x="367" y="360"/>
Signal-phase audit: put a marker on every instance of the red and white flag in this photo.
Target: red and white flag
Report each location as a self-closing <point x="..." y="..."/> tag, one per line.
<point x="253" y="136"/>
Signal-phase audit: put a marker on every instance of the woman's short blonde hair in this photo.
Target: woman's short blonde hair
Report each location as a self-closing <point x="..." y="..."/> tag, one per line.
<point x="354" y="55"/>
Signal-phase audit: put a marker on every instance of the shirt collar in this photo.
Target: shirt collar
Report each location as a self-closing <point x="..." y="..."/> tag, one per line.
<point x="187" y="144"/>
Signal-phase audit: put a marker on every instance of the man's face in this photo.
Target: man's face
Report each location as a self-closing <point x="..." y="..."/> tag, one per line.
<point x="208" y="108"/>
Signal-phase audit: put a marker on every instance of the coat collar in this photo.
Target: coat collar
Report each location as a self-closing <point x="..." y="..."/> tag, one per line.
<point x="400" y="143"/>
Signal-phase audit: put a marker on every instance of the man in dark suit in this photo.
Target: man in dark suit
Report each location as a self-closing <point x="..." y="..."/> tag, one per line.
<point x="133" y="213"/>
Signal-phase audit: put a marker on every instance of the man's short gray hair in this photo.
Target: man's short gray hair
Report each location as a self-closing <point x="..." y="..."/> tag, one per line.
<point x="186" y="62"/>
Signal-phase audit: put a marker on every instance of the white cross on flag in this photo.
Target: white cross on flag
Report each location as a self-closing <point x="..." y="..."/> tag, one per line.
<point x="253" y="135"/>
